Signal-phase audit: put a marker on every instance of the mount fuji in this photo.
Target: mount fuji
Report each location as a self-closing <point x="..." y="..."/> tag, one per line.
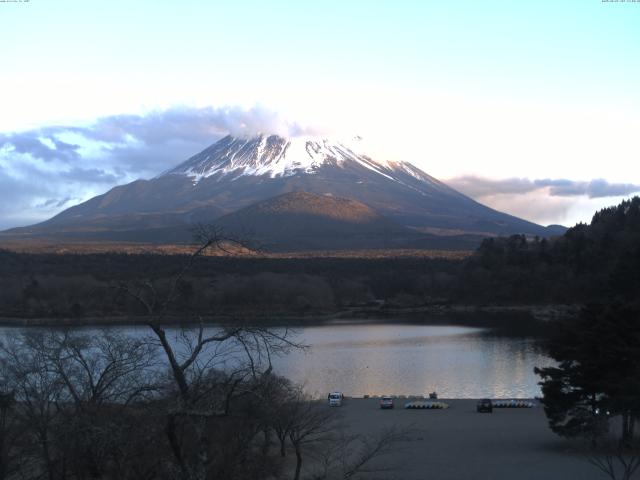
<point x="287" y="190"/>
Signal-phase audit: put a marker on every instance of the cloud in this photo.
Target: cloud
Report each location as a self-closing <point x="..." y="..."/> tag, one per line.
<point x="597" y="188"/>
<point x="89" y="175"/>
<point x="143" y="145"/>
<point x="476" y="186"/>
<point x="543" y="201"/>
<point x="192" y="125"/>
<point x="480" y="187"/>
<point x="536" y="206"/>
<point x="55" y="202"/>
<point x="41" y="145"/>
<point x="44" y="170"/>
<point x="177" y="124"/>
<point x="31" y="193"/>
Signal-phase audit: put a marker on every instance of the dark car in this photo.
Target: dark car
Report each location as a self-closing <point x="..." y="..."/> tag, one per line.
<point x="386" y="402"/>
<point x="484" y="406"/>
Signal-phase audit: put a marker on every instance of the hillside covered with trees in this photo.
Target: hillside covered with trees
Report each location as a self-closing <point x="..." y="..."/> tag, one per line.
<point x="589" y="262"/>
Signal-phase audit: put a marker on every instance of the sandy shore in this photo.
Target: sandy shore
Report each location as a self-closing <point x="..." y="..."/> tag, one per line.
<point x="460" y="444"/>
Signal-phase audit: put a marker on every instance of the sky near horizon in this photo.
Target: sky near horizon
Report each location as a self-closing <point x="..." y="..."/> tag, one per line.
<point x="530" y="107"/>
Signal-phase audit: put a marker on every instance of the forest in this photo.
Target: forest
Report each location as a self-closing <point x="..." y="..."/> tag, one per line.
<point x="589" y="262"/>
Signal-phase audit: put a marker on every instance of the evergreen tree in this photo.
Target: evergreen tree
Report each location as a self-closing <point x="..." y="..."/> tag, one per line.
<point x="598" y="373"/>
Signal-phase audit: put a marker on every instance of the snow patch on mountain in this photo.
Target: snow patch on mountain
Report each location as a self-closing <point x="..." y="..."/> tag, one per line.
<point x="276" y="156"/>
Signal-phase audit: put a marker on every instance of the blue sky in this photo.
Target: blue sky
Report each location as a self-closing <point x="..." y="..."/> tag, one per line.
<point x="488" y="95"/>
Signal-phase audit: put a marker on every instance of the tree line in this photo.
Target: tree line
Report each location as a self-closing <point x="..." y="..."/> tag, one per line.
<point x="599" y="260"/>
<point x="593" y="393"/>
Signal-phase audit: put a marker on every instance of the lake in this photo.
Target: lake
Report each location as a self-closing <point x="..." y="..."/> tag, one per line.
<point x="409" y="359"/>
<point x="406" y="359"/>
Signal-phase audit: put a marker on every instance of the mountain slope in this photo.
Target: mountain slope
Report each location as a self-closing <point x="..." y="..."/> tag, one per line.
<point x="235" y="173"/>
<point x="304" y="221"/>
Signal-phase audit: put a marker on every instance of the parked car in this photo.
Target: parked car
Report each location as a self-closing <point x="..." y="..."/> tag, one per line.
<point x="485" y="406"/>
<point x="386" y="402"/>
<point x="335" y="399"/>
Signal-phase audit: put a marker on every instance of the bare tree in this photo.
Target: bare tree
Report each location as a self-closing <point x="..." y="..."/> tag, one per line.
<point x="101" y="375"/>
<point x="8" y="434"/>
<point x="356" y="456"/>
<point x="282" y="415"/>
<point x="73" y="392"/>
<point x="97" y="369"/>
<point x="317" y="431"/>
<point x="38" y="394"/>
<point x="617" y="460"/>
<point x="310" y="423"/>
<point x="245" y="351"/>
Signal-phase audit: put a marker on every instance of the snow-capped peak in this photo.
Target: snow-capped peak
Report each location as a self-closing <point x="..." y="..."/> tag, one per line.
<point x="274" y="156"/>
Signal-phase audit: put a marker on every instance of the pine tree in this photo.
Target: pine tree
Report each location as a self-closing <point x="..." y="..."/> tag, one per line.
<point x="598" y="374"/>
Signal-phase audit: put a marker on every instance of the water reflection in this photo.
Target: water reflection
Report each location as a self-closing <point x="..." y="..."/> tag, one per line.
<point x="402" y="359"/>
<point x="457" y="362"/>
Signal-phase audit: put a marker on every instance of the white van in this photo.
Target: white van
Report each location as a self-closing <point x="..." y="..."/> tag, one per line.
<point x="335" y="399"/>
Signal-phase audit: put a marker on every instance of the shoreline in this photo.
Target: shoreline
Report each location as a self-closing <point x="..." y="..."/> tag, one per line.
<point x="473" y="315"/>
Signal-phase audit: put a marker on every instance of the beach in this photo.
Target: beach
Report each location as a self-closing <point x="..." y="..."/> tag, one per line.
<point x="459" y="443"/>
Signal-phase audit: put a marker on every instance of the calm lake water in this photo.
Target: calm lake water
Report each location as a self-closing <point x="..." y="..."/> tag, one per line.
<point x="375" y="359"/>
<point x="408" y="359"/>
